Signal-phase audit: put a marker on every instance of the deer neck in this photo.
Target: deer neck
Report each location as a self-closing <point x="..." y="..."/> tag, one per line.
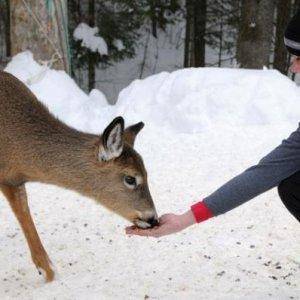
<point x="70" y="161"/>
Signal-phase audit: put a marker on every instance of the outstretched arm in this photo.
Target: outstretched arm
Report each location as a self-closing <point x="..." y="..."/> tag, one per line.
<point x="279" y="164"/>
<point x="168" y="224"/>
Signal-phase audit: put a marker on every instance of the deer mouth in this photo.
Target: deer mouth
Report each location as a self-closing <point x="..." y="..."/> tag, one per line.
<point x="150" y="223"/>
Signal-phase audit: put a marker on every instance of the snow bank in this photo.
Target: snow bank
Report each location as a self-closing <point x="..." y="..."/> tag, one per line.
<point x="90" y="38"/>
<point x="61" y="95"/>
<point x="184" y="101"/>
<point x="193" y="100"/>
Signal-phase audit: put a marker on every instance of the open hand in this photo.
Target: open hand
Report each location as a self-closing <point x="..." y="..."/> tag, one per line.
<point x="168" y="224"/>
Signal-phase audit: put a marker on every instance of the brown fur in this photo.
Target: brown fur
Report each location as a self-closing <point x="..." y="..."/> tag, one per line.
<point x="35" y="146"/>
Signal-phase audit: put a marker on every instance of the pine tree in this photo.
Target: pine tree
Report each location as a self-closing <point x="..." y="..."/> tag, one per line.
<point x="111" y="18"/>
<point x="160" y="13"/>
<point x="119" y="23"/>
<point x="223" y="19"/>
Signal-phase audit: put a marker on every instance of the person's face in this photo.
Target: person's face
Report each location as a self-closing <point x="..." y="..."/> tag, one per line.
<point x="295" y="65"/>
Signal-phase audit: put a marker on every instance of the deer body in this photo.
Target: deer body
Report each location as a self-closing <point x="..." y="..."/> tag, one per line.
<point x="35" y="146"/>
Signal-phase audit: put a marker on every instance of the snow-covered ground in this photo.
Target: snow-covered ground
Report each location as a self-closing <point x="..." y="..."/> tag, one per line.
<point x="202" y="128"/>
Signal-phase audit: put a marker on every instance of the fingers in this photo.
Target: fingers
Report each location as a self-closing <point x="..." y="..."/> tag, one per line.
<point x="158" y="231"/>
<point x="131" y="229"/>
<point x="153" y="232"/>
<point x="164" y="218"/>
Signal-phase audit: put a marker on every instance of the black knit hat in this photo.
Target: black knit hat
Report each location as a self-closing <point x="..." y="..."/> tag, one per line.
<point x="292" y="35"/>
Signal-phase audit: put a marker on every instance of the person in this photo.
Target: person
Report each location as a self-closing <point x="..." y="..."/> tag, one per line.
<point x="281" y="168"/>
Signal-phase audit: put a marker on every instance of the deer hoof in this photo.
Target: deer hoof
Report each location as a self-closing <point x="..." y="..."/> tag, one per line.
<point x="47" y="274"/>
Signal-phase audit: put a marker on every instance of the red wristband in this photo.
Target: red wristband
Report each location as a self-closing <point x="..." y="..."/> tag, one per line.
<point x="201" y="212"/>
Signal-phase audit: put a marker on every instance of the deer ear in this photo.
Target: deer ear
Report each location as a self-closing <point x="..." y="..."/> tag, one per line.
<point x="131" y="132"/>
<point x="112" y="140"/>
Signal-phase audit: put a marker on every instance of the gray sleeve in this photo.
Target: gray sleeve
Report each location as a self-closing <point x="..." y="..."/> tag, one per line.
<point x="279" y="164"/>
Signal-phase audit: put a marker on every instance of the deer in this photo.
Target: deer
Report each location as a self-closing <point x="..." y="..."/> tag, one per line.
<point x="35" y="146"/>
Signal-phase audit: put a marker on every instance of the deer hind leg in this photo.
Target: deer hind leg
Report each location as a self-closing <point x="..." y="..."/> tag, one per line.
<point x="17" y="199"/>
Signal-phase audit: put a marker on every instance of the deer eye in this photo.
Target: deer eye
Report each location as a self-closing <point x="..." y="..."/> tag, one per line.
<point x="130" y="181"/>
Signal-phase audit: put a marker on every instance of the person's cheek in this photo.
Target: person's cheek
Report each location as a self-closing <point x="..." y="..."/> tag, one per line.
<point x="295" y="67"/>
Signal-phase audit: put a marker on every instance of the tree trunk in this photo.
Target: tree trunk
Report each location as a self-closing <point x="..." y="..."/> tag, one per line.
<point x="91" y="64"/>
<point x="194" y="50"/>
<point x="280" y="54"/>
<point x="35" y="26"/>
<point x="221" y="35"/>
<point x="255" y="33"/>
<point x="153" y="6"/>
<point x="7" y="27"/>
<point x="188" y="36"/>
<point x="4" y="31"/>
<point x="74" y="18"/>
<point x="186" y="45"/>
<point x="199" y="32"/>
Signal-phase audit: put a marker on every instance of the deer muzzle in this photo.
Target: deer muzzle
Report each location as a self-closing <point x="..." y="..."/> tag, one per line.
<point x="147" y="219"/>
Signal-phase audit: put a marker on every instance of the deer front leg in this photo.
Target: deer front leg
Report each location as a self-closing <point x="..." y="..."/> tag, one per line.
<point x="17" y="199"/>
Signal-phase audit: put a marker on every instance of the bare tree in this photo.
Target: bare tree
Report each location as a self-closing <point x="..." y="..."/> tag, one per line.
<point x="199" y="32"/>
<point x="153" y="5"/>
<point x="7" y="31"/>
<point x="188" y="42"/>
<point x="37" y="27"/>
<point x="255" y="33"/>
<point x="194" y="52"/>
<point x="281" y="61"/>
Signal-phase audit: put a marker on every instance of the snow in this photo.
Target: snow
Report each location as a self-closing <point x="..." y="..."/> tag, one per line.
<point x="90" y="38"/>
<point x="153" y="55"/>
<point x="196" y="100"/>
<point x="201" y="129"/>
<point x="61" y="94"/>
<point x="119" y="44"/>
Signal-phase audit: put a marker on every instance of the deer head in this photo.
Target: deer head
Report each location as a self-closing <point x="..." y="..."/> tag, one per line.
<point x="125" y="190"/>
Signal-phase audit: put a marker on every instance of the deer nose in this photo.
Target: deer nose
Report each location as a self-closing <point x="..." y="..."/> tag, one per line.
<point x="153" y="221"/>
